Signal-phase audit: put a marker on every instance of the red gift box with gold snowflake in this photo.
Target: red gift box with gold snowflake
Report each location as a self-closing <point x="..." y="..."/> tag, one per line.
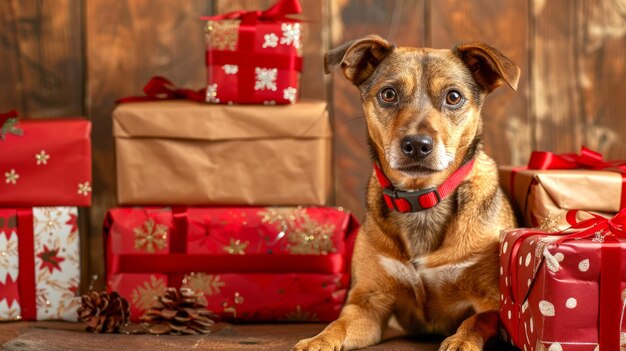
<point x="253" y="264"/>
<point x="44" y="162"/>
<point x="565" y="290"/>
<point x="254" y="57"/>
<point x="39" y="263"/>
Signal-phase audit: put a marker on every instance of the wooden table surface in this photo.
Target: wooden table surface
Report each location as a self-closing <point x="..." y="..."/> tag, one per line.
<point x="56" y="336"/>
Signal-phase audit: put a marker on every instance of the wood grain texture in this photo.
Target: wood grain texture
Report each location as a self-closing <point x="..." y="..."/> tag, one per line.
<point x="505" y="112"/>
<point x="127" y="43"/>
<point x="56" y="336"/>
<point x="401" y="22"/>
<point x="41" y="55"/>
<point x="313" y="84"/>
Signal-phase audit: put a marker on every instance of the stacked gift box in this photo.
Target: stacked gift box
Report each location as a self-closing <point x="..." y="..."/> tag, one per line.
<point x="228" y="194"/>
<point x="46" y="168"/>
<point x="563" y="277"/>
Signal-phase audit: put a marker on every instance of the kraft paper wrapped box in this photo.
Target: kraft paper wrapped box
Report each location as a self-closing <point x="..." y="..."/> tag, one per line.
<point x="189" y="153"/>
<point x="565" y="291"/>
<point x="39" y="263"/>
<point x="253" y="264"/>
<point x="552" y="184"/>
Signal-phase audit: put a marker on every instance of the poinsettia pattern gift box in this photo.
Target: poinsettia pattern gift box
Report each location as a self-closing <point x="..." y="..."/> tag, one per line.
<point x="39" y="263"/>
<point x="48" y="163"/>
<point x="254" y="57"/>
<point x="253" y="264"/>
<point x="551" y="292"/>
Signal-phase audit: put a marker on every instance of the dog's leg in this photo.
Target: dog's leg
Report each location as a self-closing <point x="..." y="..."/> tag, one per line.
<point x="359" y="325"/>
<point x="473" y="333"/>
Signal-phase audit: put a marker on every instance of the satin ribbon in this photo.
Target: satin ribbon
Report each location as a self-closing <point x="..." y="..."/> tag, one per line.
<point x="588" y="159"/>
<point x="26" y="261"/>
<point x="160" y="88"/>
<point x="607" y="230"/>
<point x="246" y="39"/>
<point x="277" y="12"/>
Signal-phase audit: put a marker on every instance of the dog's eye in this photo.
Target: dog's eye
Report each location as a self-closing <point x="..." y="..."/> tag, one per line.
<point x="388" y="95"/>
<point x="453" y="98"/>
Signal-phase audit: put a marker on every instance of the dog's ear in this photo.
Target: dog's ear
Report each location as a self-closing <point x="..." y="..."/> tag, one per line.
<point x="489" y="66"/>
<point x="358" y="58"/>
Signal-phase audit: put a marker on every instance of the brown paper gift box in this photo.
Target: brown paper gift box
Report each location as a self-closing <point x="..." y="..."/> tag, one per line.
<point x="543" y="197"/>
<point x="188" y="153"/>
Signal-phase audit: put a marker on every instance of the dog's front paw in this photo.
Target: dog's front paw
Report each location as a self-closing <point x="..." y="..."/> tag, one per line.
<point x="318" y="343"/>
<point x="461" y="343"/>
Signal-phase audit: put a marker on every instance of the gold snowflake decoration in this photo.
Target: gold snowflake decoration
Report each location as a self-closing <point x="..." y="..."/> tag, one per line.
<point x="223" y="35"/>
<point x="312" y="238"/>
<point x="150" y="236"/>
<point x="48" y="221"/>
<point x="206" y="283"/>
<point x="146" y="294"/>
<point x="11" y="177"/>
<point x="301" y="316"/>
<point x="236" y="247"/>
<point x="238" y="299"/>
<point x="549" y="223"/>
<point x="42" y="158"/>
<point x="84" y="188"/>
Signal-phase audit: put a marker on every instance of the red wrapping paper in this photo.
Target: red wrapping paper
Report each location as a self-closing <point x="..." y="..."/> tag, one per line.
<point x="254" y="57"/>
<point x="49" y="164"/>
<point x="254" y="264"/>
<point x="563" y="293"/>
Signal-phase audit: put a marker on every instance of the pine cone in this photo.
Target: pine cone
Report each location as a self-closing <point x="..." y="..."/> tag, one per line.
<point x="181" y="311"/>
<point x="103" y="312"/>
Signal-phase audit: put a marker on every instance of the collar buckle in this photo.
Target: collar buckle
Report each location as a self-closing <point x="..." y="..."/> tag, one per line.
<point x="412" y="201"/>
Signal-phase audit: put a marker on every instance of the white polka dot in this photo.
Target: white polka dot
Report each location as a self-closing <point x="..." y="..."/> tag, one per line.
<point x="504" y="247"/>
<point x="506" y="281"/>
<point x="529" y="282"/>
<point x="597" y="348"/>
<point x="509" y="314"/>
<point x="546" y="308"/>
<point x="555" y="347"/>
<point x="559" y="256"/>
<point x="583" y="266"/>
<point x="501" y="271"/>
<point x="524" y="306"/>
<point x="525" y="349"/>
<point x="520" y="260"/>
<point x="531" y="324"/>
<point x="527" y="262"/>
<point x="501" y="297"/>
<point x="571" y="302"/>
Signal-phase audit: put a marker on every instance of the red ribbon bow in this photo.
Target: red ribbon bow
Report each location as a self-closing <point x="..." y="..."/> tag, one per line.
<point x="5" y="116"/>
<point x="588" y="159"/>
<point x="160" y="88"/>
<point x="277" y="12"/>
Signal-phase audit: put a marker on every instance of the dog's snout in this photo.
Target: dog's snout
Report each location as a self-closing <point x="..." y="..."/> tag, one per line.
<point x="417" y="146"/>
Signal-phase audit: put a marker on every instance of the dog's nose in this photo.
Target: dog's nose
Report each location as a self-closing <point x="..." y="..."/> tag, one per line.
<point x="417" y="146"/>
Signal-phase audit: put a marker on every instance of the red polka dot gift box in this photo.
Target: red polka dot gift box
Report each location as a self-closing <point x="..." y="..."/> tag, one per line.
<point x="565" y="290"/>
<point x="253" y="264"/>
<point x="44" y="162"/>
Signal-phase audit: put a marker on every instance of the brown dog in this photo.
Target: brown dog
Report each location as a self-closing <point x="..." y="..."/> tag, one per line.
<point x="429" y="258"/>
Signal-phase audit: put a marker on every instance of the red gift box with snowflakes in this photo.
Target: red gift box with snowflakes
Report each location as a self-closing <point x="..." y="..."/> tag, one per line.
<point x="565" y="290"/>
<point x="253" y="264"/>
<point x="254" y="57"/>
<point x="45" y="162"/>
<point x="39" y="263"/>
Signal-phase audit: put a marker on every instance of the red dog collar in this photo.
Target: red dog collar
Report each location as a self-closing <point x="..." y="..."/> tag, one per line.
<point x="420" y="200"/>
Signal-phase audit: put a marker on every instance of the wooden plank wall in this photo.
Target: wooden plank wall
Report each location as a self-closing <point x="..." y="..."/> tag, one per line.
<point x="75" y="57"/>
